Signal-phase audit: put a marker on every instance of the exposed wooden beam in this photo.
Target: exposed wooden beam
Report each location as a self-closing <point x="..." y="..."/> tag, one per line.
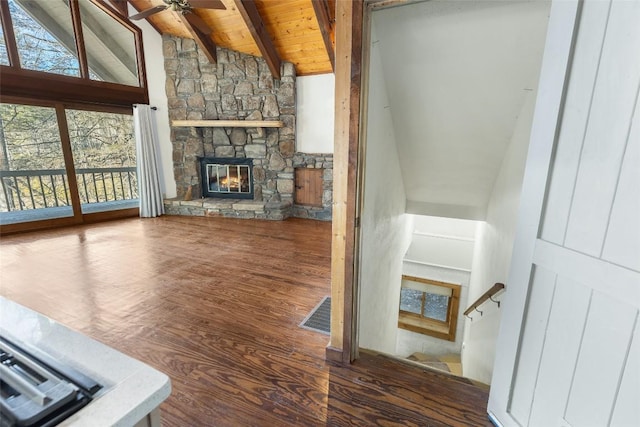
<point x="253" y="20"/>
<point x="321" y="8"/>
<point x="194" y="24"/>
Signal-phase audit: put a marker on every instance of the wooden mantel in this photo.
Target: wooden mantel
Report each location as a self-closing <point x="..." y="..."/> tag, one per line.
<point x="228" y="123"/>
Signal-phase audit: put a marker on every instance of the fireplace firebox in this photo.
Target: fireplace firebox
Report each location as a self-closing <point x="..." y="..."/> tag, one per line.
<point x="226" y="177"/>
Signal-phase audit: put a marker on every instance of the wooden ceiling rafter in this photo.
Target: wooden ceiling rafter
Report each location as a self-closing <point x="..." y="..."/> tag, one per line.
<point x="276" y="30"/>
<point x="323" y="15"/>
<point x="194" y="23"/>
<point x="255" y="24"/>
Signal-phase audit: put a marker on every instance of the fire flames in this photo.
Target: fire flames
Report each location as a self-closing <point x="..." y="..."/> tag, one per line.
<point x="229" y="181"/>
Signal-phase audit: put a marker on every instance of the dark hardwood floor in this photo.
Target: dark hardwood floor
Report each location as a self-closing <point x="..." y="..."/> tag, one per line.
<point x="216" y="304"/>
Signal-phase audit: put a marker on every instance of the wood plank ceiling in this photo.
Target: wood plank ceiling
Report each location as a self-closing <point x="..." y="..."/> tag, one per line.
<point x="296" y="31"/>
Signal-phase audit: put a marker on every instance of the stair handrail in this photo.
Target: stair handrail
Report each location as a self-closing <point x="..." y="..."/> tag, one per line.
<point x="487" y="295"/>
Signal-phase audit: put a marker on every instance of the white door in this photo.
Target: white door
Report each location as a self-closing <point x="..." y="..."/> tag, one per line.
<point x="569" y="346"/>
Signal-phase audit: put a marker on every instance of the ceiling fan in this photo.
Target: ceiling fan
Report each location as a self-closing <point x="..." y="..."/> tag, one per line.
<point x="180" y="6"/>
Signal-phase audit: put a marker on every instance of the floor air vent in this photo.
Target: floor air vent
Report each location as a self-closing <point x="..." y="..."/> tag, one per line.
<point x="319" y="319"/>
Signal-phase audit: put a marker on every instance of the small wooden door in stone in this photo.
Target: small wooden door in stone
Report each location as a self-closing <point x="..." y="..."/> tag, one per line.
<point x="308" y="187"/>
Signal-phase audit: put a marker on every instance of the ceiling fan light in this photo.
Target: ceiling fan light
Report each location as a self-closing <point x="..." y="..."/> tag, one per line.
<point x="175" y="7"/>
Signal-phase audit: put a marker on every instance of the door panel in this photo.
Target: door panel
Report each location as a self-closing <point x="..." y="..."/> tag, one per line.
<point x="574" y="120"/>
<point x="535" y="326"/>
<point x="604" y="349"/>
<point x="571" y="358"/>
<point x="618" y="247"/>
<point x="627" y="411"/>
<point x="562" y="343"/>
<point x="613" y="98"/>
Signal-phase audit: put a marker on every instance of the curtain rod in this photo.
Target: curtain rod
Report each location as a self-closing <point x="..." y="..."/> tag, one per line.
<point x="153" y="108"/>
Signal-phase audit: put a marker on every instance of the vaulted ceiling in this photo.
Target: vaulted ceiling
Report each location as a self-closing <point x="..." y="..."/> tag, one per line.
<point x="461" y="78"/>
<point x="296" y="31"/>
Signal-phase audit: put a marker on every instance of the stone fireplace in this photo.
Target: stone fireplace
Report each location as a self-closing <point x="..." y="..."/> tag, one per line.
<point x="238" y="88"/>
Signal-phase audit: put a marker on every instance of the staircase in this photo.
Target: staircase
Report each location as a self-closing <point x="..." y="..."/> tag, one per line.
<point x="447" y="363"/>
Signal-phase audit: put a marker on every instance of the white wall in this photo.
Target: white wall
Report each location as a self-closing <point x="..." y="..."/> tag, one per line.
<point x="441" y="249"/>
<point x="385" y="232"/>
<point x="315" y="113"/>
<point x="492" y="254"/>
<point x="156" y="79"/>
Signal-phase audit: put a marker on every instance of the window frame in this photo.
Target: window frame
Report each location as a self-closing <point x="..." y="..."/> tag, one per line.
<point x="20" y="82"/>
<point x="78" y="216"/>
<point x="428" y="326"/>
<point x="40" y="88"/>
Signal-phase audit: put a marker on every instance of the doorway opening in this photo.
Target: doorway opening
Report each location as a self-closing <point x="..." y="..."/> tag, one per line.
<point x="451" y="91"/>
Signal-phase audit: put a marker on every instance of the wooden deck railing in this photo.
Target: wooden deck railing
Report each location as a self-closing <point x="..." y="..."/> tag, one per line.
<point x="484" y="297"/>
<point x="45" y="188"/>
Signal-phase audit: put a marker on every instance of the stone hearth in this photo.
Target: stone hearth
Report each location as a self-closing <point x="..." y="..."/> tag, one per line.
<point x="246" y="209"/>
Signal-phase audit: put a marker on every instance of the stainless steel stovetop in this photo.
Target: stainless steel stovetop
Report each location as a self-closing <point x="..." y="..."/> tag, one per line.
<point x="37" y="390"/>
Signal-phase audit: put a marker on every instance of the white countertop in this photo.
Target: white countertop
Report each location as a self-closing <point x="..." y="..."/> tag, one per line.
<point x="131" y="389"/>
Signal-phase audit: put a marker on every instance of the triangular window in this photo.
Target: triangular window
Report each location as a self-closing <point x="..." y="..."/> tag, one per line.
<point x="88" y="39"/>
<point x="111" y="47"/>
<point x="44" y="36"/>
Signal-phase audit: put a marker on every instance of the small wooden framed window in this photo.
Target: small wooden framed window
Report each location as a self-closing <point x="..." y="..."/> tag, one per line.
<point x="429" y="307"/>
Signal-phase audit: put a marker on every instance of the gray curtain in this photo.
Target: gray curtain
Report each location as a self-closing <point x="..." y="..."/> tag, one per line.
<point x="149" y="188"/>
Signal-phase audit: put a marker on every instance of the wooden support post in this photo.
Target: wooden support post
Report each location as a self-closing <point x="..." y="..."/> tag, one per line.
<point x="349" y="20"/>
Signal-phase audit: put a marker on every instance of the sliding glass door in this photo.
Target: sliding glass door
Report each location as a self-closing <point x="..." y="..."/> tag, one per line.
<point x="33" y="176"/>
<point x="60" y="162"/>
<point x="104" y="156"/>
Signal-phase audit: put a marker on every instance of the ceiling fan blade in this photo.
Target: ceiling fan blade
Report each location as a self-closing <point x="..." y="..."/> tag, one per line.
<point x="198" y="23"/>
<point x="207" y="4"/>
<point x="148" y="12"/>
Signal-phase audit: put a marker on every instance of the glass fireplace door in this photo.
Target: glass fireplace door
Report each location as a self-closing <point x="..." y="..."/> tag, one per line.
<point x="228" y="178"/>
